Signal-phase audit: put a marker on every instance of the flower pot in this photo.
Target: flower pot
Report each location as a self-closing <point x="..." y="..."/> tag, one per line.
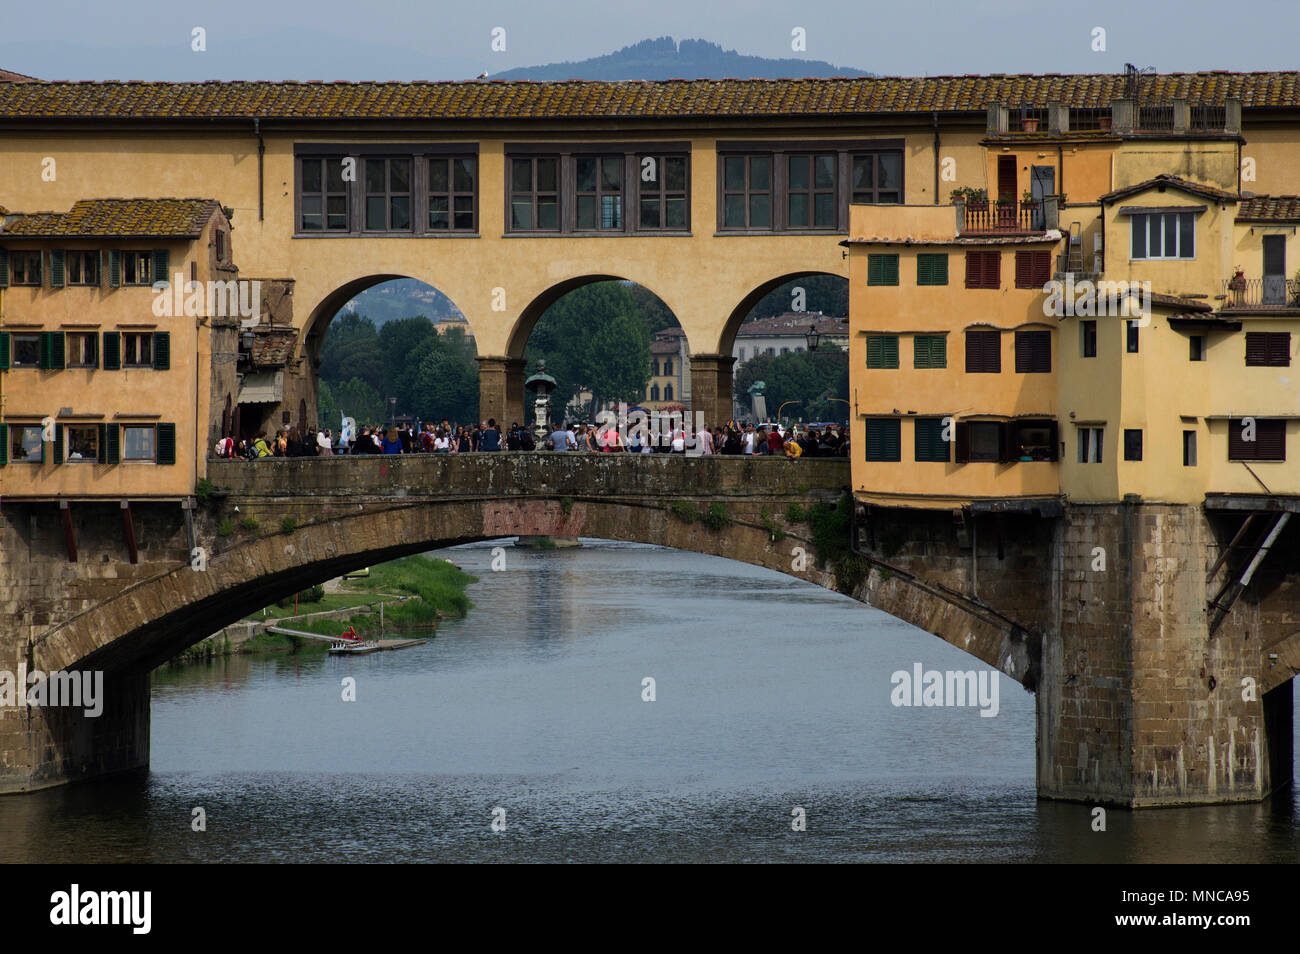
<point x="1029" y="125"/>
<point x="1103" y="122"/>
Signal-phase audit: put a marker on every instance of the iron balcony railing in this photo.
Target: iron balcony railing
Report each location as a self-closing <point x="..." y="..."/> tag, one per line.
<point x="1003" y="217"/>
<point x="1267" y="292"/>
<point x="1090" y="119"/>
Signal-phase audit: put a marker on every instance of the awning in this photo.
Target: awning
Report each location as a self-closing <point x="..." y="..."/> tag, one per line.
<point x="261" y="387"/>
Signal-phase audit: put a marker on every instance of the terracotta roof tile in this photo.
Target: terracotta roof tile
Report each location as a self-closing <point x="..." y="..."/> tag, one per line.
<point x="157" y="218"/>
<point x="1172" y="182"/>
<point x="1269" y="208"/>
<point x="498" y="99"/>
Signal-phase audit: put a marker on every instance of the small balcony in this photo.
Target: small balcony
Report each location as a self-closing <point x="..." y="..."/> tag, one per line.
<point x="1001" y="218"/>
<point x="1260" y="294"/>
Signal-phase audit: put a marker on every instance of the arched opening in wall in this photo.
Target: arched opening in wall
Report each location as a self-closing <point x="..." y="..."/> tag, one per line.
<point x="387" y="350"/>
<point x="790" y="339"/>
<point x="606" y="341"/>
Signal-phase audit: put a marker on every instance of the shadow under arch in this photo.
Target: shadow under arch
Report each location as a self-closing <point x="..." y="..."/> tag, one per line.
<point x="727" y="340"/>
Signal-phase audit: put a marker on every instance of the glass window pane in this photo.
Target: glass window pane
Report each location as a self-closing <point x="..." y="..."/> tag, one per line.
<point x="825" y="214"/>
<point x="760" y="212"/>
<point x="824" y="176"/>
<point x="548" y="213"/>
<point x="521" y="175"/>
<point x="438" y="217"/>
<point x="464" y="203"/>
<point x="586" y="211"/>
<point x="611" y="211"/>
<point x="463" y="174"/>
<point x="401" y="212"/>
<point x="864" y="168"/>
<point x="760" y="173"/>
<point x="1138" y="227"/>
<point x="311" y="212"/>
<point x="437" y="175"/>
<point x="464" y="220"/>
<point x="649" y="213"/>
<point x="374" y="175"/>
<point x="585" y="175"/>
<point x="1154" y="232"/>
<point x="138" y="443"/>
<point x="611" y="175"/>
<point x="545" y="175"/>
<point x="28" y="444"/>
<point x="676" y="214"/>
<point x="890" y="171"/>
<point x="1171" y="234"/>
<point x="399" y="175"/>
<point x="798" y="210"/>
<point x="733" y="212"/>
<point x="521" y="213"/>
<point x="798" y="172"/>
<point x="675" y="173"/>
<point x="733" y="173"/>
<point x="311" y="176"/>
<point x="1186" y="235"/>
<point x="375" y="213"/>
<point x="334" y="175"/>
<point x="883" y="197"/>
<point x="336" y="206"/>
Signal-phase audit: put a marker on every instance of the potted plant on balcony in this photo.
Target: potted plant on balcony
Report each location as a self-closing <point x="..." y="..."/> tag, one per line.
<point x="1029" y="124"/>
<point x="973" y="198"/>
<point x="1103" y="122"/>
<point x="1237" y="286"/>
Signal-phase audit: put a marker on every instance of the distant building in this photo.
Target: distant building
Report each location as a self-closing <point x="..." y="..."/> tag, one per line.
<point x="670" y="378"/>
<point x="787" y="334"/>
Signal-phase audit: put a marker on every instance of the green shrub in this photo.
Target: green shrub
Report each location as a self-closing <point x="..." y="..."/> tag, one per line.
<point x="686" y="510"/>
<point x="203" y="490"/>
<point x="717" y="516"/>
<point x="288" y="525"/>
<point x="566" y="505"/>
<point x="226" y="527"/>
<point x="795" y="514"/>
<point x="249" y="524"/>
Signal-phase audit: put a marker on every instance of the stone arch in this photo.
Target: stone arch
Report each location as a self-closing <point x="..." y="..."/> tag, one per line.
<point x="727" y="337"/>
<point x="528" y="317"/>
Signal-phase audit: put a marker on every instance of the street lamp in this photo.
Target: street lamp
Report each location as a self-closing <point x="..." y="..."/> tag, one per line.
<point x="814" y="339"/>
<point x="392" y="411"/>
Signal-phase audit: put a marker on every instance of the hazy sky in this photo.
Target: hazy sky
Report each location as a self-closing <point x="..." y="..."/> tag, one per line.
<point x="410" y="39"/>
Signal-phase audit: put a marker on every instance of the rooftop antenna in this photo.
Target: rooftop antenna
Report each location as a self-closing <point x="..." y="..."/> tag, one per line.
<point x="1132" y="80"/>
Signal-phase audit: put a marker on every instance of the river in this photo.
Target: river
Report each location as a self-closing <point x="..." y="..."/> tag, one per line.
<point x="772" y="706"/>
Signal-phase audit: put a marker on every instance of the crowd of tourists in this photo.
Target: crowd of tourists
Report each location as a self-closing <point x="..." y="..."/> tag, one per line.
<point x="487" y="437"/>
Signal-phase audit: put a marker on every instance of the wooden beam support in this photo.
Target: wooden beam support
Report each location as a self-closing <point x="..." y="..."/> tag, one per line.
<point x="128" y="530"/>
<point x="69" y="538"/>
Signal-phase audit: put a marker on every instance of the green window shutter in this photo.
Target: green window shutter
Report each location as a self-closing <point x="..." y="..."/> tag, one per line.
<point x="891" y="269"/>
<point x="4" y="268"/>
<point x="58" y="443"/>
<point x="932" y="269"/>
<point x="921" y="351"/>
<point x="4" y="444"/>
<point x="111" y="441"/>
<point x="882" y="351"/>
<point x="891" y="351"/>
<point x="43" y="356"/>
<point x="162" y="350"/>
<point x="161" y="265"/>
<point x="874" y="352"/>
<point x="112" y="351"/>
<point x="4" y="351"/>
<point x="875" y="269"/>
<point x="102" y="444"/>
<point x="56" y="351"/>
<point x="930" y="351"/>
<point x="114" y="268"/>
<point x="165" y="445"/>
<point x="939" y="344"/>
<point x="56" y="268"/>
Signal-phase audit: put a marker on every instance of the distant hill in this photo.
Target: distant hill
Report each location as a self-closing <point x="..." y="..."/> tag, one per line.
<point x="665" y="58"/>
<point x="402" y="298"/>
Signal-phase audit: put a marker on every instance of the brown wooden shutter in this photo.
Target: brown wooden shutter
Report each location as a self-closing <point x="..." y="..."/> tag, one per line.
<point x="1033" y="269"/>
<point x="1007" y="178"/>
<point x="963" y="442"/>
<point x="983" y="269"/>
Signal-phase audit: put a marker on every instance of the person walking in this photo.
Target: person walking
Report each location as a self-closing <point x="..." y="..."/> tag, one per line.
<point x="490" y="440"/>
<point x="324" y="445"/>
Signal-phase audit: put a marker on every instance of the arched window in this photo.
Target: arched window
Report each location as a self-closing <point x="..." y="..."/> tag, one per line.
<point x="668" y="369"/>
<point x="654" y="392"/>
<point x="742" y="354"/>
<point x="668" y="392"/>
<point x="654" y="367"/>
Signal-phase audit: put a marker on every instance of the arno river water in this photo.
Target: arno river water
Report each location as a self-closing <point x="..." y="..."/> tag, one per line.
<point x="770" y="695"/>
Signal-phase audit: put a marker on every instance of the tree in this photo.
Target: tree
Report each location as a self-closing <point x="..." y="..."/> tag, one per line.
<point x="355" y="399"/>
<point x="398" y="341"/>
<point x="436" y="382"/>
<point x="351" y="350"/>
<point x="809" y="378"/>
<point x="828" y="294"/>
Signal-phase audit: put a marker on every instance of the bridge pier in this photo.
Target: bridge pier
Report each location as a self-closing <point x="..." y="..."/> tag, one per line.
<point x="711" y="387"/>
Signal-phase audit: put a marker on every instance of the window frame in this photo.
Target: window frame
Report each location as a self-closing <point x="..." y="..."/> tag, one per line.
<point x="599" y="192"/>
<point x="1090" y="439"/>
<point x="895" y="435"/>
<point x="663" y="194"/>
<point x="933" y="362"/>
<point x="35" y="341"/>
<point x="94" y="429"/>
<point x="153" y="443"/>
<point x="1147" y="218"/>
<point x="451" y="194"/>
<point x="1028" y="351"/>
<point x="881" y="268"/>
<point x="92" y="337"/>
<point x="930" y="441"/>
<point x="1133" y="444"/>
<point x="1272" y="355"/>
<point x="811" y="192"/>
<point x="977" y="356"/>
<point x="388" y="194"/>
<point x="1033" y="268"/>
<point x="748" y="192"/>
<point x="984" y="268"/>
<point x="1088" y="338"/>
<point x="1235" y="443"/>
<point x="883" y="359"/>
<point x="82" y="257"/>
<point x="128" y="256"/>
<point x="534" y="194"/>
<point x="137" y="363"/>
<point x="932" y="259"/>
<point x="26" y="256"/>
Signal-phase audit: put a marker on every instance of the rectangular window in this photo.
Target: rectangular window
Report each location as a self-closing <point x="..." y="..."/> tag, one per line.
<point x="929" y="351"/>
<point x="1189" y="448"/>
<point x="388" y="195"/>
<point x="137" y="349"/>
<point x="82" y="349"/>
<point x="932" y="269"/>
<point x="984" y="269"/>
<point x="930" y="445"/>
<point x="1088" y="339"/>
<point x="1033" y="269"/>
<point x="983" y="352"/>
<point x="877" y="178"/>
<point x="1196" y="348"/>
<point x="1266" y="440"/>
<point x="25" y="443"/>
<point x="137" y="268"/>
<point x="986" y="441"/>
<point x="1033" y="440"/>
<point x="535" y="194"/>
<point x="82" y="442"/>
<point x="810" y="191"/>
<point x="598" y="192"/>
<point x="661" y="193"/>
<point x="1268" y="349"/>
<point x="83" y="268"/>
<point x="747" y="192"/>
<point x="1132" y="444"/>
<point x="138" y="442"/>
<point x="1162" y="235"/>
<point x="451" y="193"/>
<point x="1131" y="341"/>
<point x="26" y="350"/>
<point x="25" y="268"/>
<point x="882" y="269"/>
<point x="323" y="195"/>
<point x="882" y="351"/>
<point x="883" y="439"/>
<point x="1090" y="439"/>
<point x="1033" y="352"/>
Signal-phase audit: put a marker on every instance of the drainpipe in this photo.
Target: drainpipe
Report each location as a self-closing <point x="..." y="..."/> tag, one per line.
<point x="261" y="148"/>
<point x="974" y="551"/>
<point x="1060" y="171"/>
<point x="935" y="116"/>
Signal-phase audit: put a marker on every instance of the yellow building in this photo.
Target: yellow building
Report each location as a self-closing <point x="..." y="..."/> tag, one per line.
<point x="106" y="378"/>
